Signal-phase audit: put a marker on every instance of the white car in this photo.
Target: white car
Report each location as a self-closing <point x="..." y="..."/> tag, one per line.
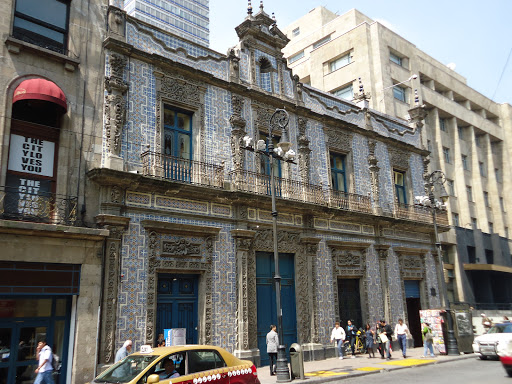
<point x="487" y="345"/>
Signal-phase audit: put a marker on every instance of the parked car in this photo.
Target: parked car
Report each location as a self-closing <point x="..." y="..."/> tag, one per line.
<point x="505" y="354"/>
<point x="195" y="364"/>
<point x="487" y="345"/>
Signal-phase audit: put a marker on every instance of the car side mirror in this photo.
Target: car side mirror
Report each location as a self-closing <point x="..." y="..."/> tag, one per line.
<point x="153" y="379"/>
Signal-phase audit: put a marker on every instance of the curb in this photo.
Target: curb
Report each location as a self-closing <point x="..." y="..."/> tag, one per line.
<point x="355" y="373"/>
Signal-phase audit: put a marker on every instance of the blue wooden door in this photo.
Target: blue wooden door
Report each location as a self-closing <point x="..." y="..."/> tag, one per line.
<point x="177" y="304"/>
<point x="266" y="299"/>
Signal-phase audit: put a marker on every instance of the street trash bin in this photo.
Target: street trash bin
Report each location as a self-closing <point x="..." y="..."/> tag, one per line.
<point x="296" y="361"/>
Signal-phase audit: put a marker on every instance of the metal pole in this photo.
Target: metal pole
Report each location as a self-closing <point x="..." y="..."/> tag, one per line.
<point x="282" y="370"/>
<point x="451" y="342"/>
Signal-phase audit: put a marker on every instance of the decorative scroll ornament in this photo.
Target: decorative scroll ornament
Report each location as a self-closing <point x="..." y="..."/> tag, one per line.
<point x="181" y="247"/>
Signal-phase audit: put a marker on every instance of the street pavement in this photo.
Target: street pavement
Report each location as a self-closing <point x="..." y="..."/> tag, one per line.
<point x="334" y="369"/>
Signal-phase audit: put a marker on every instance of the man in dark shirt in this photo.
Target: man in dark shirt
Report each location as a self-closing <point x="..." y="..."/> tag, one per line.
<point x="388" y="331"/>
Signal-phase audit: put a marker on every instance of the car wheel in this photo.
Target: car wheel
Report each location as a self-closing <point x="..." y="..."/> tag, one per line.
<point x="509" y="372"/>
<point x="483" y="357"/>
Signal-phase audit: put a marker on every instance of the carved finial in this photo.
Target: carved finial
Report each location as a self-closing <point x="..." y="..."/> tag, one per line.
<point x="361" y="88"/>
<point x="416" y="98"/>
<point x="249" y="8"/>
<point x="274" y="17"/>
<point x="261" y="5"/>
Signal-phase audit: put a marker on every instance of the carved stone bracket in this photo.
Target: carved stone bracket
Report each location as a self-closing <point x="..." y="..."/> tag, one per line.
<point x="116" y="225"/>
<point x="116" y="23"/>
<point x="154" y="231"/>
<point x="234" y="66"/>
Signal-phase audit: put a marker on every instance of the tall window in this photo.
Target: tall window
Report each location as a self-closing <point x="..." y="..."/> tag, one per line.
<point x="296" y="32"/>
<point x="446" y="154"/>
<point x="340" y="62"/>
<point x="42" y="22"/>
<point x="451" y="187"/>
<point x="502" y="204"/>
<point x="442" y="124"/>
<point x="177" y="143"/>
<point x="455" y="218"/>
<point x="469" y="191"/>
<point x="465" y="164"/>
<point x="486" y="198"/>
<point x="399" y="93"/>
<point x="346" y="92"/>
<point x="497" y="174"/>
<point x="400" y="189"/>
<point x="460" y="130"/>
<point x="481" y="167"/>
<point x="338" y="176"/>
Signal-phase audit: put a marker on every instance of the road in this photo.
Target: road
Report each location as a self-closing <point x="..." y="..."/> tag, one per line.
<point x="467" y="371"/>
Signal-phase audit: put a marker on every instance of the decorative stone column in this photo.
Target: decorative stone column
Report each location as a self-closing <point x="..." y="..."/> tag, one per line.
<point x="374" y="177"/>
<point x="303" y="150"/>
<point x="112" y="267"/>
<point x="382" y="251"/>
<point x="312" y="347"/>
<point x="237" y="133"/>
<point x="234" y="66"/>
<point x="115" y="110"/>
<point x="243" y="243"/>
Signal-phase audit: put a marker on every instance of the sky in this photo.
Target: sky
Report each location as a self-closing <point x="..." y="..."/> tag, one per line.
<point x="475" y="35"/>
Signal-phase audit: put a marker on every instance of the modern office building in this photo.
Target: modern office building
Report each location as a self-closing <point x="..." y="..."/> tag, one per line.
<point x="468" y="135"/>
<point x="185" y="18"/>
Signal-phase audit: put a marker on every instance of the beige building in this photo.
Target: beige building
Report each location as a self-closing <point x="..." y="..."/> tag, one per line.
<point x="465" y="132"/>
<point x="51" y="256"/>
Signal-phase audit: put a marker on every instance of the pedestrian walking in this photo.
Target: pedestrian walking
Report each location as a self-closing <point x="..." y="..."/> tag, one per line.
<point x="428" y="338"/>
<point x="338" y="336"/>
<point x="272" y="343"/>
<point x="123" y="351"/>
<point x="401" y="331"/>
<point x="44" y="369"/>
<point x="352" y="335"/>
<point x="369" y="333"/>
<point x="386" y="335"/>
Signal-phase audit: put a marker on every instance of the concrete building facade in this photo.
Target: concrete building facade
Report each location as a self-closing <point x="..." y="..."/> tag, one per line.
<point x="467" y="135"/>
<point x="51" y="250"/>
<point x="185" y="18"/>
<point x="189" y="211"/>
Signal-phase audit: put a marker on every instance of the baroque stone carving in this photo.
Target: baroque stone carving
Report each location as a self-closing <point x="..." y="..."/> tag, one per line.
<point x="116" y="195"/>
<point x="115" y="103"/>
<point x="398" y="158"/>
<point x="181" y="247"/>
<point x="339" y="140"/>
<point x="374" y="172"/>
<point x="287" y="241"/>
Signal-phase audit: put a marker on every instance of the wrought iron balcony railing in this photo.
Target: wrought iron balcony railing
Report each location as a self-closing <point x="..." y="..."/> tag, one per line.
<point x="350" y="201"/>
<point x="49" y="208"/>
<point x="419" y="213"/>
<point x="259" y="183"/>
<point x="182" y="170"/>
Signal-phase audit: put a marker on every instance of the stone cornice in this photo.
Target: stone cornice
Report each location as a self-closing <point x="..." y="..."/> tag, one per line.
<point x="180" y="229"/>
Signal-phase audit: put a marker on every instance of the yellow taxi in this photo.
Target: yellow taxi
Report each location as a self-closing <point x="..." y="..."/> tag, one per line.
<point x="187" y="364"/>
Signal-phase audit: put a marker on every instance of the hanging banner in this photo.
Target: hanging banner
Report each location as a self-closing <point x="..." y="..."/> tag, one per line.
<point x="31" y="155"/>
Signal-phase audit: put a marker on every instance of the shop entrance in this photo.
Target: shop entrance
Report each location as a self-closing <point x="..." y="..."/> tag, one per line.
<point x="349" y="298"/>
<point x="413" y="302"/>
<point x="23" y="323"/>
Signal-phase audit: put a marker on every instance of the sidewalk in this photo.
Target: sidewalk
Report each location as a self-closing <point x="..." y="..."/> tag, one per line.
<point x="332" y="369"/>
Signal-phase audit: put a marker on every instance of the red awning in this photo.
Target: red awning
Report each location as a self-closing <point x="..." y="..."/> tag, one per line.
<point x="40" y="89"/>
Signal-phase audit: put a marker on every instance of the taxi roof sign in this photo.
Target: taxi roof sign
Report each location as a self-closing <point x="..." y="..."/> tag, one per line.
<point x="146" y="349"/>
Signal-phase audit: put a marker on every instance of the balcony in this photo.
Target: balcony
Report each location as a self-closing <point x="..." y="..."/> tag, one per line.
<point x="259" y="183"/>
<point x="350" y="201"/>
<point x="48" y="208"/>
<point x="419" y="213"/>
<point x="182" y="170"/>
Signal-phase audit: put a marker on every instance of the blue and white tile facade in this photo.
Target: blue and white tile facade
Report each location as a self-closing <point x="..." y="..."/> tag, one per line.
<point x="140" y="131"/>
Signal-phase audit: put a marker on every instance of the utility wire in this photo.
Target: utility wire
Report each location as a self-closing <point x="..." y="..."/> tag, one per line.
<point x="502" y="72"/>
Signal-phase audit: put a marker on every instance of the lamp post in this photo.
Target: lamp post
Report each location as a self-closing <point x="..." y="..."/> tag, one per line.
<point x="438" y="178"/>
<point x="279" y="120"/>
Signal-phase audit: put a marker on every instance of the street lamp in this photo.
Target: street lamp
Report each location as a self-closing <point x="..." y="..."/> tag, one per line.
<point x="439" y="178"/>
<point x="283" y="152"/>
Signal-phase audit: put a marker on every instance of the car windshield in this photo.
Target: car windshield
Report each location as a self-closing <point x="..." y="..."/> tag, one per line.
<point x="126" y="369"/>
<point x="501" y="328"/>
